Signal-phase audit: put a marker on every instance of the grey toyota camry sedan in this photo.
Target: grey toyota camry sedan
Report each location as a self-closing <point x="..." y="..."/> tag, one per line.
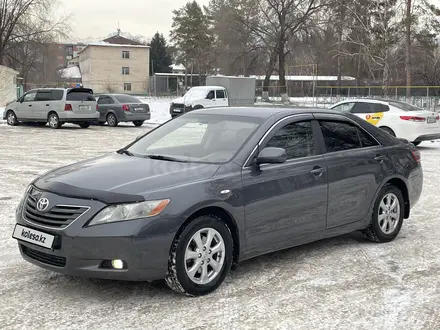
<point x="189" y="200"/>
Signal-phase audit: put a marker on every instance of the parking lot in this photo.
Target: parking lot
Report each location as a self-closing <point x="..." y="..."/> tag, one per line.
<point x="340" y="283"/>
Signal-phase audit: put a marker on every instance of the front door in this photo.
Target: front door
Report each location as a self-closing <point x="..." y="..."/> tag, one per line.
<point x="25" y="108"/>
<point x="220" y="95"/>
<point x="356" y="164"/>
<point x="286" y="201"/>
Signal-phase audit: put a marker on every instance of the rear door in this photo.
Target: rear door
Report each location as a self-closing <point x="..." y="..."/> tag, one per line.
<point x="356" y="164"/>
<point x="373" y="112"/>
<point x="43" y="104"/>
<point x="81" y="100"/>
<point x="220" y="95"/>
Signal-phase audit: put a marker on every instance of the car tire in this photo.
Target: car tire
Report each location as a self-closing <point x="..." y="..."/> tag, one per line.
<point x="389" y="131"/>
<point x="190" y="265"/>
<point x="138" y="123"/>
<point x="198" y="107"/>
<point x="11" y="118"/>
<point x="112" y="120"/>
<point x="84" y="124"/>
<point x="53" y="121"/>
<point x="386" y="224"/>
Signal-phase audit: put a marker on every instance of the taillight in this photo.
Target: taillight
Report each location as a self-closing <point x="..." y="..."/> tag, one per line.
<point x="413" y="118"/>
<point x="148" y="108"/>
<point x="416" y="155"/>
<point x="437" y="118"/>
<point x="97" y="108"/>
<point x="125" y="107"/>
<point x="68" y="107"/>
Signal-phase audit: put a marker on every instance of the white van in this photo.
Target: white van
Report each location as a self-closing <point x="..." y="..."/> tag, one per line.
<point x="199" y="98"/>
<point x="54" y="106"/>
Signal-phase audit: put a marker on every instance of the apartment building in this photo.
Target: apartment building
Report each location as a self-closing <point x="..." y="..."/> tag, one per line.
<point x="115" y="65"/>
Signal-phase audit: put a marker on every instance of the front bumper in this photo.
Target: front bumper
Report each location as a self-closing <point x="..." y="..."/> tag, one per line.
<point x="178" y="110"/>
<point x="83" y="251"/>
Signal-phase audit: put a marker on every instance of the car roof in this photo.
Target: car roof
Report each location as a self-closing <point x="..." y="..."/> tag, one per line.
<point x="207" y="87"/>
<point x="365" y="99"/>
<point x="262" y="112"/>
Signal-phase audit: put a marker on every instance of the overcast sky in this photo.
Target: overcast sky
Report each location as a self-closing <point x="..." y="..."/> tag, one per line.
<point x="96" y="19"/>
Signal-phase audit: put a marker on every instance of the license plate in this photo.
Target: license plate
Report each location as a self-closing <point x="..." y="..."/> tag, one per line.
<point x="432" y="120"/>
<point x="138" y="109"/>
<point x="33" y="236"/>
<point x="85" y="107"/>
<point x="177" y="110"/>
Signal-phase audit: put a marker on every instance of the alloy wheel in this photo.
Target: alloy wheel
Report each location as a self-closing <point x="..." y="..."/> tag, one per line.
<point x="389" y="213"/>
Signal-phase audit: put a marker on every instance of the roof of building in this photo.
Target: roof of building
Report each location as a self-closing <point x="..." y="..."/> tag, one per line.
<point x="119" y="40"/>
<point x="5" y="68"/>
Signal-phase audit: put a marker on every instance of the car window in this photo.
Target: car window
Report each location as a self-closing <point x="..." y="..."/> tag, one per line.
<point x="366" y="139"/>
<point x="79" y="96"/>
<point x="365" y="107"/>
<point x="127" y="99"/>
<point x="404" y="106"/>
<point x="44" y="96"/>
<point x="339" y="136"/>
<point x="220" y="94"/>
<point x="296" y="138"/>
<point x="29" y="97"/>
<point x="210" y="95"/>
<point x="103" y="100"/>
<point x="344" y="107"/>
<point x="57" y="95"/>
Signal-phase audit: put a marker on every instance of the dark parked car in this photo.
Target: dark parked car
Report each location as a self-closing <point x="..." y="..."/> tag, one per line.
<point x="116" y="108"/>
<point x="193" y="197"/>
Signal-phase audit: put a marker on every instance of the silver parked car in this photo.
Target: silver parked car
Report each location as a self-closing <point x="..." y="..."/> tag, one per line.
<point x="55" y="106"/>
<point x="116" y="108"/>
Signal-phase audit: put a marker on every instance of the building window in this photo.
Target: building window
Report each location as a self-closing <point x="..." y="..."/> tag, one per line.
<point x="125" y="71"/>
<point x="127" y="87"/>
<point x="69" y="50"/>
<point x="125" y="54"/>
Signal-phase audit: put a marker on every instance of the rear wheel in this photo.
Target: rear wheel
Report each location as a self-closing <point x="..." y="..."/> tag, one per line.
<point x="11" y="118"/>
<point x="387" y="215"/>
<point x="54" y="121"/>
<point x="200" y="257"/>
<point x="138" y="123"/>
<point x="84" y="124"/>
<point x="389" y="130"/>
<point x="112" y="120"/>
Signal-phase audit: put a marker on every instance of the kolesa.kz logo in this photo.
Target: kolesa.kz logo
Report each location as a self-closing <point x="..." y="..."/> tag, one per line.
<point x="34" y="237"/>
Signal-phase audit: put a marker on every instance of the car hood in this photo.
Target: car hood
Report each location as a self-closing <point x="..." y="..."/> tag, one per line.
<point x="179" y="100"/>
<point x="118" y="178"/>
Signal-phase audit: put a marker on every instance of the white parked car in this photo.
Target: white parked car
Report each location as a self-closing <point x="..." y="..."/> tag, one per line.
<point x="199" y="98"/>
<point x="54" y="106"/>
<point x="398" y="118"/>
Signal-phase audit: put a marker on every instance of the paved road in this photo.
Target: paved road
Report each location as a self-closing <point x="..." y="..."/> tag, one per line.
<point x="341" y="283"/>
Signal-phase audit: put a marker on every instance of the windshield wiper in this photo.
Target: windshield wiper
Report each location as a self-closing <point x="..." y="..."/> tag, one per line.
<point x="125" y="152"/>
<point x="166" y="158"/>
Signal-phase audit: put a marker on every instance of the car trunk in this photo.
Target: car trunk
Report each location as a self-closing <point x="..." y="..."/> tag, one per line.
<point x="81" y="101"/>
<point x="138" y="107"/>
<point x="429" y="119"/>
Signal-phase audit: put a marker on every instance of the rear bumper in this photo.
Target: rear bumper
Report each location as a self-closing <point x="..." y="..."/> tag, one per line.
<point x="427" y="137"/>
<point x="128" y="116"/>
<point x="71" y="117"/>
<point x="415" y="186"/>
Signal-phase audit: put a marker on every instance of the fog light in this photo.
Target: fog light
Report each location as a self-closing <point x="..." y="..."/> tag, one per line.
<point x="117" y="264"/>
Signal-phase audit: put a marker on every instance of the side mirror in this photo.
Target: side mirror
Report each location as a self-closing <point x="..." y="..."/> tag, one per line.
<point x="21" y="100"/>
<point x="138" y="137"/>
<point x="272" y="155"/>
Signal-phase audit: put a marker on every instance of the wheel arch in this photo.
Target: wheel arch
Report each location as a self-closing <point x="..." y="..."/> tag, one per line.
<point x="51" y="112"/>
<point x="387" y="127"/>
<point x="227" y="217"/>
<point x="401" y="184"/>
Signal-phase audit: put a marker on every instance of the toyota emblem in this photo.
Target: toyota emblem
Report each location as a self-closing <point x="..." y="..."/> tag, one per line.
<point x="42" y="204"/>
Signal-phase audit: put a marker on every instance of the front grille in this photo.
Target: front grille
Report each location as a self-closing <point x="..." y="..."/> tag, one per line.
<point x="44" y="257"/>
<point x="59" y="216"/>
<point x="178" y="105"/>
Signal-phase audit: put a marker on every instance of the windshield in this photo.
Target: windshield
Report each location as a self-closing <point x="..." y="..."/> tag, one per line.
<point x="127" y="99"/>
<point x="196" y="93"/>
<point x="404" y="106"/>
<point x="200" y="138"/>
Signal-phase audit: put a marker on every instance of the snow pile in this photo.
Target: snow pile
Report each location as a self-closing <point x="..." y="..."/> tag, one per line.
<point x="160" y="110"/>
<point x="72" y="72"/>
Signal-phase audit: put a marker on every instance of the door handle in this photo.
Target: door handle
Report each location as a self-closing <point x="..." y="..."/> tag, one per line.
<point x="47" y="105"/>
<point x="30" y="105"/>
<point x="379" y="158"/>
<point x="318" y="171"/>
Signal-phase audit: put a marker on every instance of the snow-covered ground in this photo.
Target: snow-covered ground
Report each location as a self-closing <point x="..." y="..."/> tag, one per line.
<point x="339" y="283"/>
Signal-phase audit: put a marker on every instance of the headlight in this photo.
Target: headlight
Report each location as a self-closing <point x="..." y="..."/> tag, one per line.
<point x="132" y="211"/>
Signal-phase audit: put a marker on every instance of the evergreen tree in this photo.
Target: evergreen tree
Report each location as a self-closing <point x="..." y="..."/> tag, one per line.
<point x="160" y="59"/>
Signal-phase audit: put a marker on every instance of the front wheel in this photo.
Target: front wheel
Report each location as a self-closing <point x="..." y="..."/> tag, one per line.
<point x="11" y="118"/>
<point x="387" y="215"/>
<point x="138" y="123"/>
<point x="200" y="257"/>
